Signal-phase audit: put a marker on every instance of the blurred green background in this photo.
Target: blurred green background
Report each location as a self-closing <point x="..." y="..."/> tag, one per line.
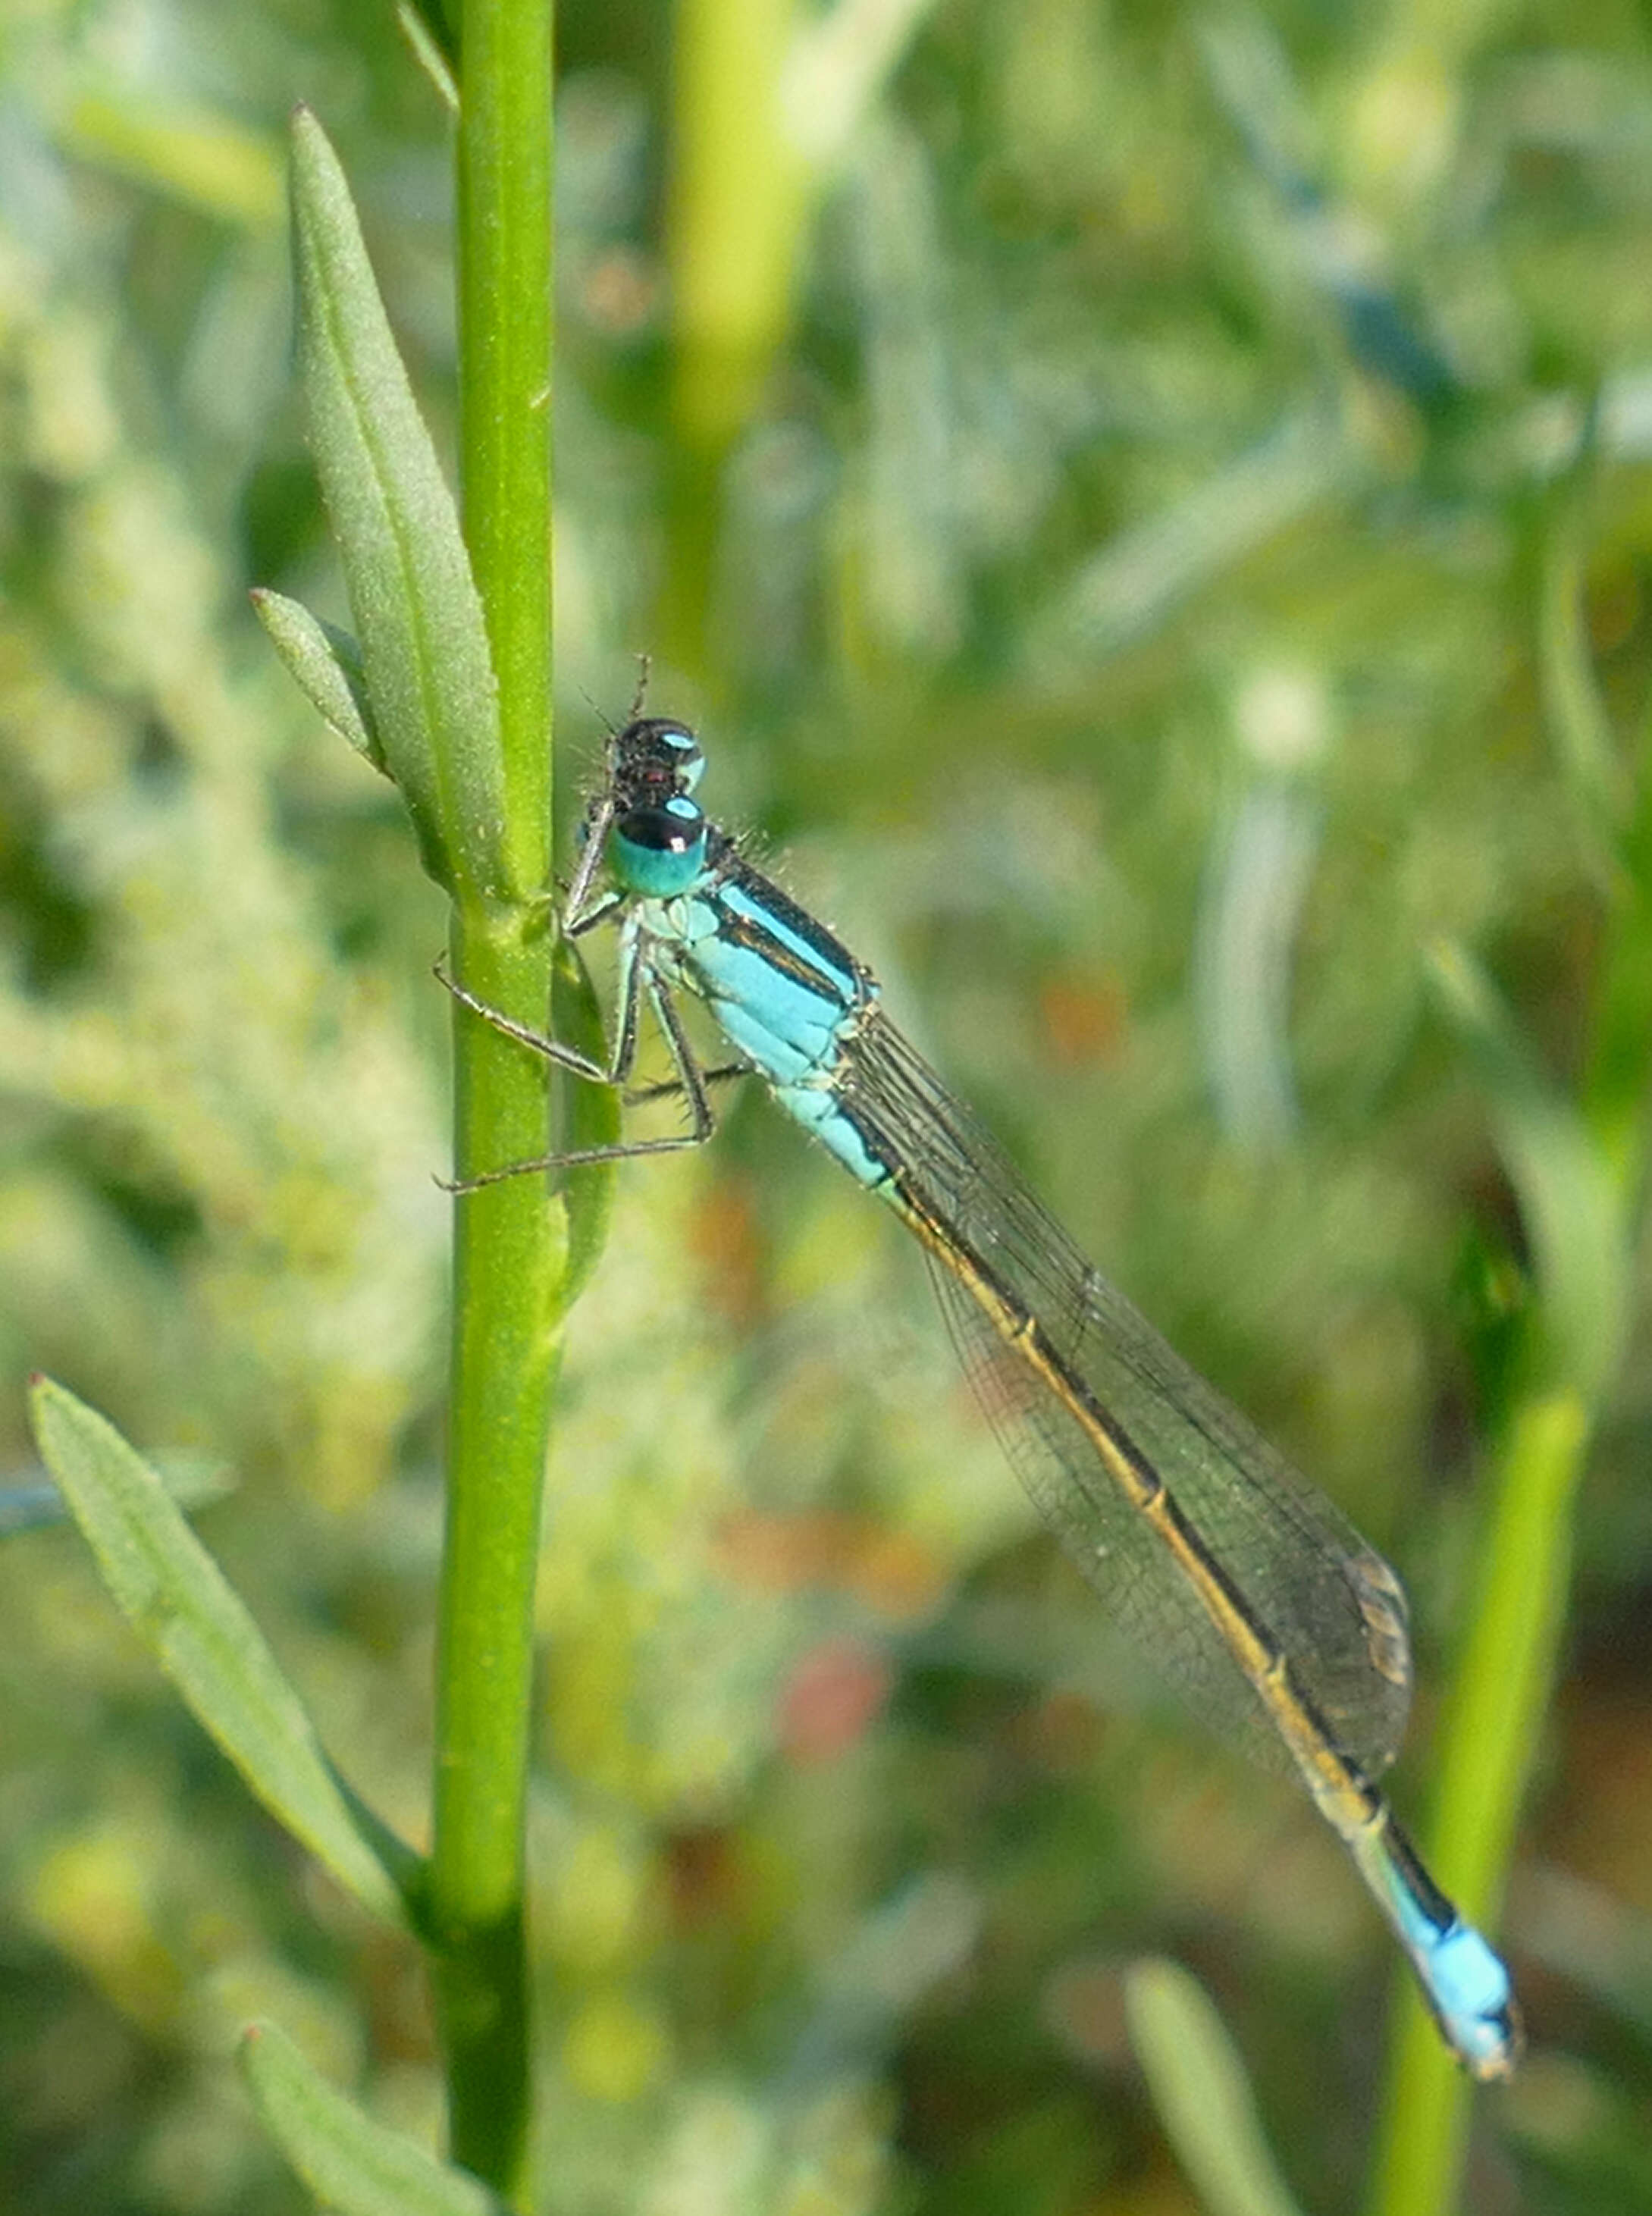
<point x="1153" y="520"/>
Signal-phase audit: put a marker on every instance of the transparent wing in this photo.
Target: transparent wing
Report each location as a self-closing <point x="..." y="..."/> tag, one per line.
<point x="1321" y="1596"/>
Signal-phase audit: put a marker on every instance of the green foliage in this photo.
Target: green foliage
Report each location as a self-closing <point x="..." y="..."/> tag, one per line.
<point x="326" y="663"/>
<point x="349" y="2162"/>
<point x="1201" y="2090"/>
<point x="424" y="649"/>
<point x="172" y="1594"/>
<point x="1161" y="539"/>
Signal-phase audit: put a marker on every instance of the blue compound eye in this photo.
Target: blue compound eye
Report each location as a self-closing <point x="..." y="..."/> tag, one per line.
<point x="682" y="748"/>
<point x="656" y="755"/>
<point x="659" y="851"/>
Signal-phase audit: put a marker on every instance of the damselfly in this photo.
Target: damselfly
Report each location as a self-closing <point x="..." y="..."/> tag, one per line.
<point x="1287" y="1631"/>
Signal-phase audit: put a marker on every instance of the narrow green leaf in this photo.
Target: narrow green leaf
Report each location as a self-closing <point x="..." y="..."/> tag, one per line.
<point x="326" y="664"/>
<point x="349" y="2162"/>
<point x="1598" y="779"/>
<point x="428" y="54"/>
<point x="424" y="645"/>
<point x="177" y="1601"/>
<point x="32" y="1500"/>
<point x="1200" y="2090"/>
<point x="439" y="23"/>
<point x="1567" y="1190"/>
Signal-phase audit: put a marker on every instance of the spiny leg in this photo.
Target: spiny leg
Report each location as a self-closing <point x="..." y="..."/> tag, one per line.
<point x="566" y="1057"/>
<point x="690" y="1082"/>
<point x="671" y="1089"/>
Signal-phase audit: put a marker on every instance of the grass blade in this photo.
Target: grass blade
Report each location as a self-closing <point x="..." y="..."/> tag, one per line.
<point x="178" y="1602"/>
<point x="1202" y="2094"/>
<point x="424" y="646"/>
<point x="349" y="2162"/>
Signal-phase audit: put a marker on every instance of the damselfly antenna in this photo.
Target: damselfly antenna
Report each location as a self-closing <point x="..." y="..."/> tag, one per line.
<point x="642" y="664"/>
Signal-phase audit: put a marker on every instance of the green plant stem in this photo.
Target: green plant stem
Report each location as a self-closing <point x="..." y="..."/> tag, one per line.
<point x="738" y="200"/>
<point x="1509" y="1667"/>
<point x="1493" y="1724"/>
<point x="734" y="228"/>
<point x="509" y="1245"/>
<point x="505" y="354"/>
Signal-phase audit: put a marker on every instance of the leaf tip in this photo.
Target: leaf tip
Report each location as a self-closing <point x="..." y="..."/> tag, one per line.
<point x="311" y="144"/>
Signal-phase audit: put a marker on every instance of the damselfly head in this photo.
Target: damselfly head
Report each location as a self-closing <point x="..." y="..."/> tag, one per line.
<point x="654" y="757"/>
<point x="641" y="822"/>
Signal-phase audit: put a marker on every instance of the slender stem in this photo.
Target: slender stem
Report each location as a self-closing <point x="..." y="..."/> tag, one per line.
<point x="734" y="228"/>
<point x="505" y="354"/>
<point x="509" y="1245"/>
<point x="1491" y="1729"/>
<point x="738" y="200"/>
<point x="1508" y="1665"/>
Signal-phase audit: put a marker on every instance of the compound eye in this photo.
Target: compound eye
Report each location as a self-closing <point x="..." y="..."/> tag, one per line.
<point x="682" y="751"/>
<point x="675" y="828"/>
<point x="658" y="852"/>
<point x="654" y="751"/>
